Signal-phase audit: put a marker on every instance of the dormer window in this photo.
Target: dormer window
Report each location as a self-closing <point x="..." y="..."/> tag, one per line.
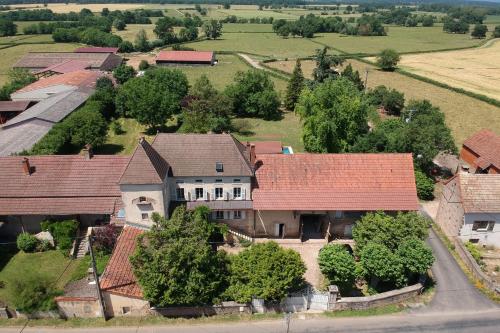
<point x="236" y="180"/>
<point x="219" y="167"/>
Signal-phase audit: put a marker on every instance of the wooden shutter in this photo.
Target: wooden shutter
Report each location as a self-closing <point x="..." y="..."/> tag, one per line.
<point x="243" y="214"/>
<point x="243" y="193"/>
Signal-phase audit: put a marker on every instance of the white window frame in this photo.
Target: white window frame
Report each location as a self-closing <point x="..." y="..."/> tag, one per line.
<point x="196" y="189"/>
<point x="490" y="225"/>
<point x="240" y="193"/>
<point x="219" y="196"/>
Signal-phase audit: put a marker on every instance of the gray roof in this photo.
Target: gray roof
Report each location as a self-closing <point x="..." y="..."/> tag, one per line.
<point x="480" y="193"/>
<point x="23" y="136"/>
<point x="35" y="60"/>
<point x="52" y="109"/>
<point x="42" y="93"/>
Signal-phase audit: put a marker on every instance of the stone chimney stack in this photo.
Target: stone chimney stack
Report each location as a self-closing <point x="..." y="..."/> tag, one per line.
<point x="88" y="152"/>
<point x="253" y="156"/>
<point x="26" y="166"/>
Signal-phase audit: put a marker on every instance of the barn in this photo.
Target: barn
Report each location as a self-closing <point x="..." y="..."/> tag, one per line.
<point x="173" y="58"/>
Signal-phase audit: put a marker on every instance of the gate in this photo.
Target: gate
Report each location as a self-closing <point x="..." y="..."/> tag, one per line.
<point x="318" y="300"/>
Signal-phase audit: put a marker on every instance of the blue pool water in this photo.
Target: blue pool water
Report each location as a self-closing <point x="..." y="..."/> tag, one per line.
<point x="286" y="150"/>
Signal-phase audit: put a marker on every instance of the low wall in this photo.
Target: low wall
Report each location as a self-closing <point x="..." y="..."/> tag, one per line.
<point x="78" y="307"/>
<point x="473" y="267"/>
<point x="389" y="297"/>
<point x="225" y="308"/>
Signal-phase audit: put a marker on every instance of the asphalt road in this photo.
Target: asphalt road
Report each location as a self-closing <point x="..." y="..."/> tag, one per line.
<point x="457" y="307"/>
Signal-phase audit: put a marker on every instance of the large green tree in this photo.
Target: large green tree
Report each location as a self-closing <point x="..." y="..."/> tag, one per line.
<point x="88" y="125"/>
<point x="123" y="73"/>
<point x="7" y="28"/>
<point x="334" y="114"/>
<point x="388" y="59"/>
<point x="253" y="95"/>
<point x="153" y="98"/>
<point x="338" y="265"/>
<point x="295" y="86"/>
<point x="164" y="29"/>
<point x="324" y="64"/>
<point x="141" y="42"/>
<point x="175" y="264"/>
<point x="213" y="29"/>
<point x="266" y="271"/>
<point x="415" y="256"/>
<point x="389" y="230"/>
<point x="379" y="263"/>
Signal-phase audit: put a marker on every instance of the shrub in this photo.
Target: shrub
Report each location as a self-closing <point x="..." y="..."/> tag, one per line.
<point x="388" y="59"/>
<point x="425" y="186"/>
<point x="117" y="128"/>
<point x="43" y="245"/>
<point x="337" y="264"/>
<point x="474" y="252"/>
<point x="63" y="232"/>
<point x="105" y="238"/>
<point x="143" y="65"/>
<point x="26" y="242"/>
<point x="242" y="126"/>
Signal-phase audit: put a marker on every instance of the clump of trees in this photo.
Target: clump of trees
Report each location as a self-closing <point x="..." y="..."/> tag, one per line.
<point x="456" y="26"/>
<point x="18" y="78"/>
<point x="253" y="95"/>
<point x="479" y="31"/>
<point x="7" y="28"/>
<point x="207" y="109"/>
<point x="388" y="59"/>
<point x="154" y="98"/>
<point x="213" y="29"/>
<point x="391" y="100"/>
<point x="390" y="249"/>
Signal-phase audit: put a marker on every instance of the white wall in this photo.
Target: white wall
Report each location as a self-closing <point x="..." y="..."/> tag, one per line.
<point x="134" y="211"/>
<point x="115" y="304"/>
<point x="485" y="237"/>
<point x="209" y="184"/>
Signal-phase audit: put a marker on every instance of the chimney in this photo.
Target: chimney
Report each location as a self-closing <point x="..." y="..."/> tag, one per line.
<point x="253" y="157"/>
<point x="26" y="166"/>
<point x="141" y="139"/>
<point x="88" y="152"/>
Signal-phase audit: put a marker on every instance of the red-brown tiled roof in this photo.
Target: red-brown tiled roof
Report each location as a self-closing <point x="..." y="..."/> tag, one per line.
<point x="60" y="184"/>
<point x="185" y="56"/>
<point x="81" y="79"/>
<point x="486" y="144"/>
<point x="349" y="182"/>
<point x="118" y="277"/>
<point x="65" y="67"/>
<point x="16" y="106"/>
<point x="268" y="147"/>
<point x="97" y="50"/>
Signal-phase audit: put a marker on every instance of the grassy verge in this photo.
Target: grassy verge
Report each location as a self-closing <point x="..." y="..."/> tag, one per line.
<point x="381" y="310"/>
<point x="477" y="283"/>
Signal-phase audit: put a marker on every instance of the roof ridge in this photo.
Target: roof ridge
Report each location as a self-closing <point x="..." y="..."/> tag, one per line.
<point x="238" y="144"/>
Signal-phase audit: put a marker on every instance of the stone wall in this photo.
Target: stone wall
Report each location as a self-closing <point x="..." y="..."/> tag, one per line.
<point x="78" y="307"/>
<point x="200" y="311"/>
<point x="389" y="297"/>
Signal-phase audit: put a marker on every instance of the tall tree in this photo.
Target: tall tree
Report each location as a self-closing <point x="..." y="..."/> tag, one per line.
<point x="479" y="31"/>
<point x="324" y="63"/>
<point x="295" y="86"/>
<point x="353" y="76"/>
<point x="7" y="28"/>
<point x="141" y="41"/>
<point x="388" y="59"/>
<point x="175" y="264"/>
<point x="213" y="29"/>
<point x="153" y="98"/>
<point x="334" y="114"/>
<point x="164" y="29"/>
<point x="338" y="265"/>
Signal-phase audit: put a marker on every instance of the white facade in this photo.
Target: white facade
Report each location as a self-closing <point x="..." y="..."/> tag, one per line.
<point x="482" y="228"/>
<point x="141" y="201"/>
<point x="209" y="187"/>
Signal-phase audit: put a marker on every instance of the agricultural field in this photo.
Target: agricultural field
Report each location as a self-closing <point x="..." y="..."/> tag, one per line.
<point x="72" y="7"/>
<point x="476" y="70"/>
<point x="464" y="115"/>
<point x="247" y="28"/>
<point x="402" y="39"/>
<point x="10" y="55"/>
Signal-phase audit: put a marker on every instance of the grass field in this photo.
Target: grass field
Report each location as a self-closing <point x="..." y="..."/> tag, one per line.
<point x="11" y="54"/>
<point x="476" y="70"/>
<point x="132" y="29"/>
<point x="50" y="265"/>
<point x="72" y="7"/>
<point x="247" y="27"/>
<point x="464" y="115"/>
<point x="402" y="39"/>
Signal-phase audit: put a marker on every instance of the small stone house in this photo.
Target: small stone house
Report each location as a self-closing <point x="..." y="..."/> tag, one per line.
<point x="469" y="208"/>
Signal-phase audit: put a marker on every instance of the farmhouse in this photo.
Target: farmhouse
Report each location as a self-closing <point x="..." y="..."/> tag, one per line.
<point x="266" y="195"/>
<point x="481" y="153"/>
<point x="57" y="97"/>
<point x="36" y="61"/>
<point x="172" y="58"/>
<point x="469" y="208"/>
<point x="60" y="187"/>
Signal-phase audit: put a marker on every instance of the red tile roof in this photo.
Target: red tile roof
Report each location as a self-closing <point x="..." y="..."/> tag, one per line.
<point x="97" y="50"/>
<point x="185" y="56"/>
<point x="81" y="79"/>
<point x="60" y="184"/>
<point x="486" y="144"/>
<point x="66" y="67"/>
<point x="268" y="147"/>
<point x="118" y="277"/>
<point x="16" y="106"/>
<point x="349" y="182"/>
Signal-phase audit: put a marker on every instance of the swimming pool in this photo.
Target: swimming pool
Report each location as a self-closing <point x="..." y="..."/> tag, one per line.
<point x="287" y="150"/>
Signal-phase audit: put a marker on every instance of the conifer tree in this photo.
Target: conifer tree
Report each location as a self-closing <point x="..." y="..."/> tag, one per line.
<point x="295" y="86"/>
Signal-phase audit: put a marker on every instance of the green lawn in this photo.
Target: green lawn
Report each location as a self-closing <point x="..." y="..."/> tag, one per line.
<point x="247" y="27"/>
<point x="264" y="44"/>
<point x="51" y="265"/>
<point x="402" y="39"/>
<point x="125" y="143"/>
<point x="132" y="29"/>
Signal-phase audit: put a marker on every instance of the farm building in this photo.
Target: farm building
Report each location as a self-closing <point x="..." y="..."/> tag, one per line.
<point x="169" y="58"/>
<point x="58" y="186"/>
<point x="481" y="153"/>
<point x="10" y="109"/>
<point x="62" y="68"/>
<point x="113" y="50"/>
<point x="36" y="61"/>
<point x="57" y="97"/>
<point x="469" y="208"/>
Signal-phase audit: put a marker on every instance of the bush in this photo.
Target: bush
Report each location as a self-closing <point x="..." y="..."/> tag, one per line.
<point x="43" y="245"/>
<point x="242" y="126"/>
<point x="474" y="252"/>
<point x="27" y="242"/>
<point x="63" y="232"/>
<point x="425" y="186"/>
<point x="337" y="264"/>
<point x="105" y="238"/>
<point x="143" y="65"/>
<point x="388" y="59"/>
<point x="117" y="128"/>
